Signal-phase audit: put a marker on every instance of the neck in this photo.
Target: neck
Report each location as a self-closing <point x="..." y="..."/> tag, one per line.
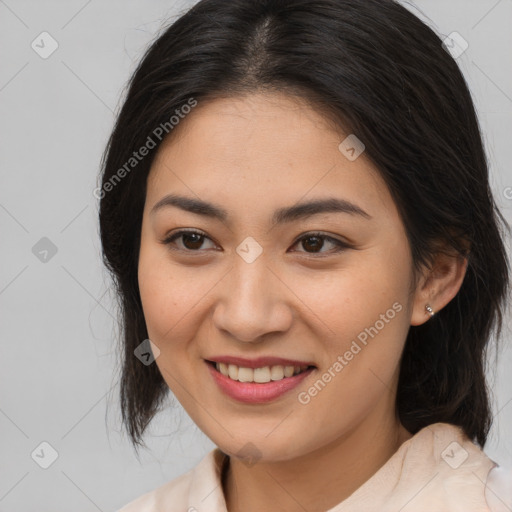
<point x="316" y="481"/>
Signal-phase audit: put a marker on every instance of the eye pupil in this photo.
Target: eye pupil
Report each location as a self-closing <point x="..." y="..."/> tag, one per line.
<point x="316" y="245"/>
<point x="196" y="244"/>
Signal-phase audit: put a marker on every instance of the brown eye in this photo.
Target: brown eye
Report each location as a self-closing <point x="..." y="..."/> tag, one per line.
<point x="313" y="243"/>
<point x="191" y="241"/>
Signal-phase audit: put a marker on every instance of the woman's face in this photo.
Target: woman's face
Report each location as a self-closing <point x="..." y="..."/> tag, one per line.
<point x="322" y="287"/>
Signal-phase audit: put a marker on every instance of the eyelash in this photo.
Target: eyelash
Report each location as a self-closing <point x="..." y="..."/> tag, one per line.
<point x="341" y="246"/>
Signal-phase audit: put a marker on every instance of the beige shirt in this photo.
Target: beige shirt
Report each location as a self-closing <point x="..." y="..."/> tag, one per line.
<point x="437" y="470"/>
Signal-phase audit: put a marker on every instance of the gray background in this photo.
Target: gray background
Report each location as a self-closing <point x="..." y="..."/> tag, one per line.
<point x="58" y="366"/>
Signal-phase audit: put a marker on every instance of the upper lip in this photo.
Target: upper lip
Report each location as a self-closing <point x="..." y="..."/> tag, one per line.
<point x="258" y="362"/>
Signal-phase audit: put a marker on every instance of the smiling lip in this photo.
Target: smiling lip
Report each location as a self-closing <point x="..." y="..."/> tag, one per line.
<point x="258" y="362"/>
<point x="253" y="392"/>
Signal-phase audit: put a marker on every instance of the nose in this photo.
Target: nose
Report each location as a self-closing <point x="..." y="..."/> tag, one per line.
<point x="254" y="302"/>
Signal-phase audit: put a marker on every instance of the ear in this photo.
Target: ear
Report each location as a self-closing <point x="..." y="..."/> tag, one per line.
<point x="438" y="285"/>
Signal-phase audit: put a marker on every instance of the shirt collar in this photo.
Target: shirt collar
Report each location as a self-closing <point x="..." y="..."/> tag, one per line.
<point x="428" y="456"/>
<point x="206" y="493"/>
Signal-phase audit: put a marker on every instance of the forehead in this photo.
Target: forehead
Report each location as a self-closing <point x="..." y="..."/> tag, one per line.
<point x="261" y="150"/>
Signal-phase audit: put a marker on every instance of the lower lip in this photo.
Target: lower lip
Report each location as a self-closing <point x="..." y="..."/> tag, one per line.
<point x="255" y="393"/>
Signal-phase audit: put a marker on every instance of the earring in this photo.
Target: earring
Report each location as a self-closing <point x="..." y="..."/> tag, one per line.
<point x="429" y="310"/>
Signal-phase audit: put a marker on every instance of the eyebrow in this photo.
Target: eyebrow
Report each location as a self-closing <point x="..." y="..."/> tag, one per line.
<point x="280" y="216"/>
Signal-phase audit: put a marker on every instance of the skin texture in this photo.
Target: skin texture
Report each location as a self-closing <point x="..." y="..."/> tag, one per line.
<point x="251" y="155"/>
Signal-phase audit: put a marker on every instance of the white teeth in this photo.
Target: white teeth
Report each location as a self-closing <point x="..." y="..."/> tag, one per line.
<point x="277" y="372"/>
<point x="245" y="374"/>
<point x="288" y="371"/>
<point x="262" y="374"/>
<point x="259" y="375"/>
<point x="223" y="368"/>
<point x="233" y="372"/>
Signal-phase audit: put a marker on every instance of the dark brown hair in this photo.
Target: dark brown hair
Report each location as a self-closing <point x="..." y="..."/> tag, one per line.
<point x="379" y="72"/>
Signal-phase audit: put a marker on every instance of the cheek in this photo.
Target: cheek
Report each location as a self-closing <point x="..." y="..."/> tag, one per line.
<point x="173" y="298"/>
<point x="370" y="290"/>
<point x="367" y="329"/>
<point x="158" y="304"/>
<point x="159" y="294"/>
<point x="167" y="303"/>
<point x="363" y="311"/>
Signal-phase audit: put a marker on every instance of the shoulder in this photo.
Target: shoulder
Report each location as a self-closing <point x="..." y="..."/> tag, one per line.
<point x="457" y="472"/>
<point x="498" y="489"/>
<point x="182" y="493"/>
<point x="466" y="462"/>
